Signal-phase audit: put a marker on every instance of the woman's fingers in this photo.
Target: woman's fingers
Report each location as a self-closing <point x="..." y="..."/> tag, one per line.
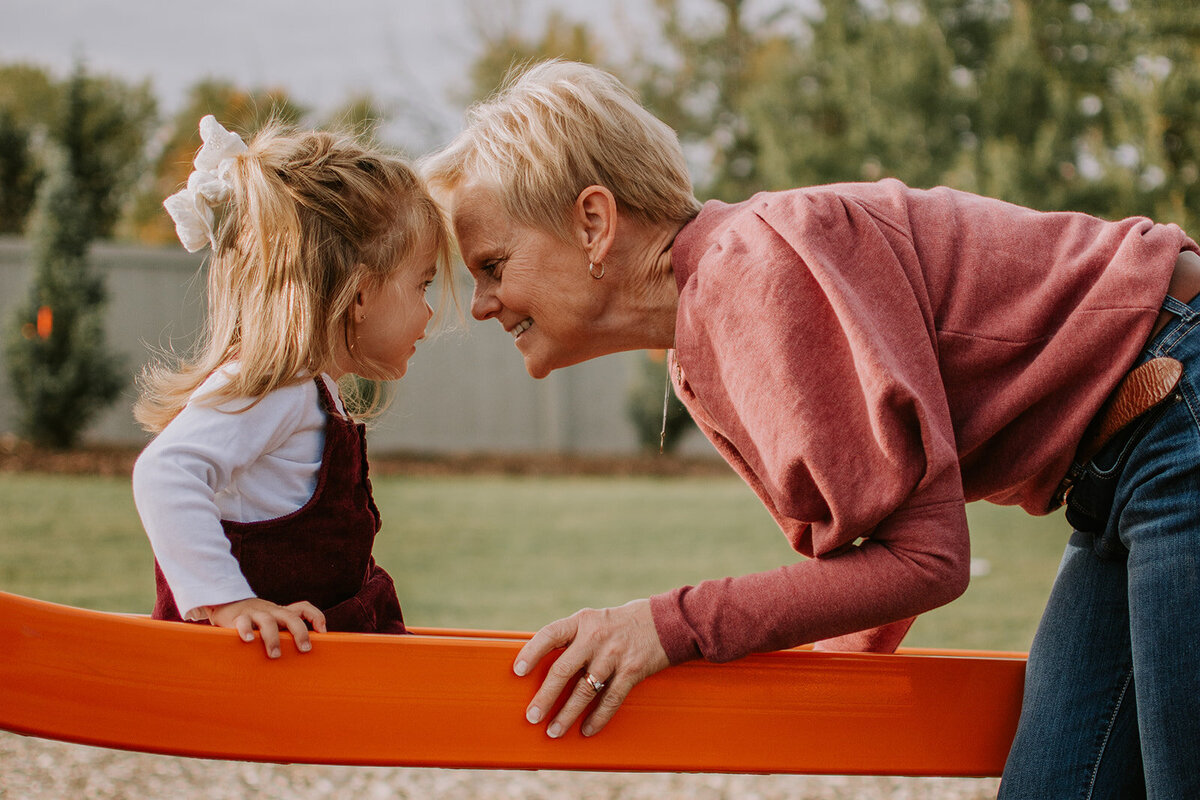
<point x="557" y="634"/>
<point x="562" y="672"/>
<point x="610" y="700"/>
<point x="587" y="689"/>
<point x="607" y="653"/>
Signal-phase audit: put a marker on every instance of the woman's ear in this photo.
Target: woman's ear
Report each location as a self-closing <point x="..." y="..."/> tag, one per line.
<point x="596" y="221"/>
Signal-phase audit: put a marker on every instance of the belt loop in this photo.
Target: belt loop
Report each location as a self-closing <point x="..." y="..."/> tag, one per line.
<point x="1178" y="307"/>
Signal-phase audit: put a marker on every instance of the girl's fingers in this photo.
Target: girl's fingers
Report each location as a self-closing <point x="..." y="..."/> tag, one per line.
<point x="311" y="613"/>
<point x="245" y="627"/>
<point x="299" y="630"/>
<point x="270" y="632"/>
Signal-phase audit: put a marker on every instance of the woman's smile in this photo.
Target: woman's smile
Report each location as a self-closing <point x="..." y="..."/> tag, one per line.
<point x="520" y="327"/>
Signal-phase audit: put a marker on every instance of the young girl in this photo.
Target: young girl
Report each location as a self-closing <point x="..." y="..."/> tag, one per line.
<point x="254" y="493"/>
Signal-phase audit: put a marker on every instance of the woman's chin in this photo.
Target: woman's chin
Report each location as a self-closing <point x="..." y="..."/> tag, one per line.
<point x="537" y="369"/>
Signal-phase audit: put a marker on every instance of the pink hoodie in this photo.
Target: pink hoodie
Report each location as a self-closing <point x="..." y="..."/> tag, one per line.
<point x="868" y="357"/>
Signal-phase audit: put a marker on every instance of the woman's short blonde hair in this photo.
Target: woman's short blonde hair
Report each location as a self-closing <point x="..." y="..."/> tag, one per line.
<point x="313" y="215"/>
<point x="553" y="130"/>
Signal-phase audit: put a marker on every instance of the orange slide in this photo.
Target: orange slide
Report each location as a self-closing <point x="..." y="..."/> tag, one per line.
<point x="450" y="699"/>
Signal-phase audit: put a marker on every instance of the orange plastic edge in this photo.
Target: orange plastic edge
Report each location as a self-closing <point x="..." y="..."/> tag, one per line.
<point x="448" y="698"/>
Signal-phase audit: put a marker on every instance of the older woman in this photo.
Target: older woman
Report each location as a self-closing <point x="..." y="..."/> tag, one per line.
<point x="868" y="357"/>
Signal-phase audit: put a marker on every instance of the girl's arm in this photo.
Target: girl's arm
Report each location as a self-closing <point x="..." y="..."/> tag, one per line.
<point x="210" y="464"/>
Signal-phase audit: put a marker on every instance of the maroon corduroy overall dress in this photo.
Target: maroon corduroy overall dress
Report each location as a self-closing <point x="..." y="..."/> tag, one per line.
<point x="322" y="551"/>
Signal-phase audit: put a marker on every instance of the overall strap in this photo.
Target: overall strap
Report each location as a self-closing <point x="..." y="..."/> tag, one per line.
<point x="328" y="405"/>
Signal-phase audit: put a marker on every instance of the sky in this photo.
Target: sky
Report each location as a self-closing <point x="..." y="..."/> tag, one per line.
<point x="410" y="55"/>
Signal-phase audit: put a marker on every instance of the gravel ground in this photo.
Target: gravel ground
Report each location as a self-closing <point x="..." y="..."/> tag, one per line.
<point x="36" y="769"/>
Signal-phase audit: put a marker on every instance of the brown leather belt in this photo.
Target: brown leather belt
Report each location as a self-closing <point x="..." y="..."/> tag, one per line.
<point x="1145" y="386"/>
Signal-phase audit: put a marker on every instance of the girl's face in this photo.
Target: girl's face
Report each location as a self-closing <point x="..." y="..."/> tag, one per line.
<point x="390" y="318"/>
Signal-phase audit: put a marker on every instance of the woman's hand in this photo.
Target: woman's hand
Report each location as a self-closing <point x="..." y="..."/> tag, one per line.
<point x="246" y="615"/>
<point x="614" y="647"/>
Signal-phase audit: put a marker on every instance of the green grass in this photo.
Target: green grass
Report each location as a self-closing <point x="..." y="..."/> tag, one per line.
<point x="514" y="553"/>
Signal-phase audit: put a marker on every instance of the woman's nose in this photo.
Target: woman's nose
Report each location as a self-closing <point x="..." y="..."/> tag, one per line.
<point x="484" y="304"/>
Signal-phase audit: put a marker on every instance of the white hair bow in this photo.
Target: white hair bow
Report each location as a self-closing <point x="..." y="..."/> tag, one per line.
<point x="207" y="186"/>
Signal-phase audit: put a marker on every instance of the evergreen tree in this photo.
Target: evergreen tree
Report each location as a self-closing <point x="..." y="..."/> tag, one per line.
<point x="103" y="128"/>
<point x="19" y="173"/>
<point x="61" y="371"/>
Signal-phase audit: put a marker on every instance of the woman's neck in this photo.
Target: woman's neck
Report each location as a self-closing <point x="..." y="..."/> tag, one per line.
<point x="645" y="300"/>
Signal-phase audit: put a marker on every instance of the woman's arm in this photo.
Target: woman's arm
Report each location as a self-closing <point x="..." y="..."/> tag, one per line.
<point x="914" y="563"/>
<point x="810" y="362"/>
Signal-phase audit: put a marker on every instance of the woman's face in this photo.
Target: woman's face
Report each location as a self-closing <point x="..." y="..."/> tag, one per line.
<point x="530" y="281"/>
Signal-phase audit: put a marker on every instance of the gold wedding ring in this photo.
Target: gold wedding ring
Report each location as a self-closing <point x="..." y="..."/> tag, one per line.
<point x="592" y="681"/>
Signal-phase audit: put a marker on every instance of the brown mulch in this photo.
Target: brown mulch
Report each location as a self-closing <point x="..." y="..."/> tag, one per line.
<point x="112" y="460"/>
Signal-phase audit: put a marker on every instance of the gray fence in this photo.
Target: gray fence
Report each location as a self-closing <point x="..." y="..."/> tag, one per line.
<point x="466" y="390"/>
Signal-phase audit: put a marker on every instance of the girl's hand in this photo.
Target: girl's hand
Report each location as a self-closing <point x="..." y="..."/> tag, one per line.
<point x="615" y="647"/>
<point x="246" y="615"/>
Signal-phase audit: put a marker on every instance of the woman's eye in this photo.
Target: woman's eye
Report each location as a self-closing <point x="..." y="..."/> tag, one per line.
<point x="489" y="267"/>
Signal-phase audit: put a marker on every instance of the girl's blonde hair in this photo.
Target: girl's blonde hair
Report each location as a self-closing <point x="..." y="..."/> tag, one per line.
<point x="557" y="128"/>
<point x="313" y="214"/>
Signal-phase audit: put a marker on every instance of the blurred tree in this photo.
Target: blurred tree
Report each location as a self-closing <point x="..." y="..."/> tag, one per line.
<point x="239" y="110"/>
<point x="20" y="172"/>
<point x="103" y="123"/>
<point x="1054" y="104"/>
<point x="505" y="47"/>
<point x="872" y="94"/>
<point x="103" y="126"/>
<point x="702" y="92"/>
<point x="29" y="93"/>
<point x="359" y="115"/>
<point x="61" y="371"/>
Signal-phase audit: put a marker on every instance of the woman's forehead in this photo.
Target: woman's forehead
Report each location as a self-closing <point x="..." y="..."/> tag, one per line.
<point x="478" y="218"/>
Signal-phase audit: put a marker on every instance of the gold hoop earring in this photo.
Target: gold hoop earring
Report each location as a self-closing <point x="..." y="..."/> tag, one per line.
<point x="592" y="270"/>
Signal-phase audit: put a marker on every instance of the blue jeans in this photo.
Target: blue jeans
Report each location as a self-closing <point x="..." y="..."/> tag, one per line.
<point x="1112" y="688"/>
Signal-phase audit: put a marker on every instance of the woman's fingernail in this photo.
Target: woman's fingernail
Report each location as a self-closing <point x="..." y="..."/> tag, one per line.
<point x="247" y="637"/>
<point x="520" y="668"/>
<point x="554" y="731"/>
<point x="534" y="715"/>
<point x="586" y="730"/>
<point x="305" y="647"/>
<point x="274" y="653"/>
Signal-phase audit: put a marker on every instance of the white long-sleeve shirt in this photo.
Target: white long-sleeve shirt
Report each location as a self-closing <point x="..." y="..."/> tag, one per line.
<point x="209" y="464"/>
